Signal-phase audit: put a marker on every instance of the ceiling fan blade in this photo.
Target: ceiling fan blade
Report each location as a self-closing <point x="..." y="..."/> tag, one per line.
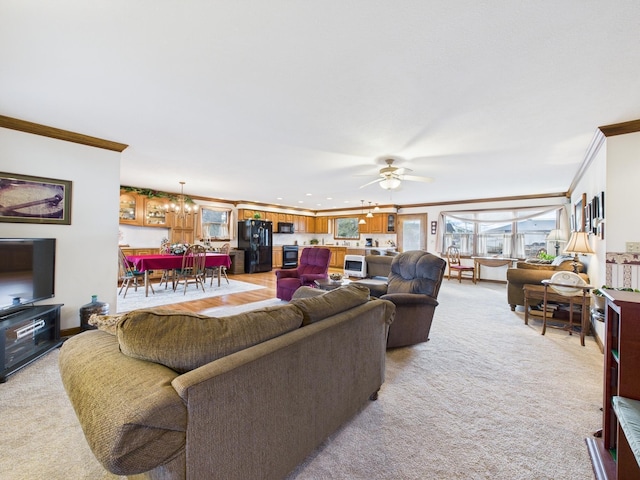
<point x="372" y="182"/>
<point x="413" y="178"/>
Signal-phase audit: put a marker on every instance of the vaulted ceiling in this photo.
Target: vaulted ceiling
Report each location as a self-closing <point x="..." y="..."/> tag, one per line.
<point x="295" y="102"/>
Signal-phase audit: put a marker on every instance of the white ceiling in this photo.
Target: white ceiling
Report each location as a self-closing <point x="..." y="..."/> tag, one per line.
<point x="260" y="99"/>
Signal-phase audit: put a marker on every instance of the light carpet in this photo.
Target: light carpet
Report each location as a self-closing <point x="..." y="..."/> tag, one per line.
<point x="165" y="296"/>
<point x="486" y="398"/>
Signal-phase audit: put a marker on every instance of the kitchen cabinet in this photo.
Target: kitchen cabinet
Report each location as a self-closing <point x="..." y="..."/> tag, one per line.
<point x="155" y="213"/>
<point x="376" y="223"/>
<point x="276" y="257"/>
<point x="321" y="225"/>
<point x="390" y="223"/>
<point x="300" y="224"/>
<point x="130" y="209"/>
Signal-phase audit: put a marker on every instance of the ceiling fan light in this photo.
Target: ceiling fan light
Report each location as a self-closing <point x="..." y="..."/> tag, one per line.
<point x="390" y="183"/>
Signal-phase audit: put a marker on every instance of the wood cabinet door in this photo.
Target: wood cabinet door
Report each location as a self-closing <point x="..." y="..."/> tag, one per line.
<point x="376" y="223"/>
<point x="321" y="225"/>
<point x="277" y="257"/>
<point x="155" y="213"/>
<point x="130" y="209"/>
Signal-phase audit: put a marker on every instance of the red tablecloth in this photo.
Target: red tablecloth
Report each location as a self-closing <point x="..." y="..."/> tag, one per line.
<point x="169" y="262"/>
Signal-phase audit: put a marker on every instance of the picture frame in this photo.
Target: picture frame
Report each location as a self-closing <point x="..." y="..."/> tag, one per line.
<point x="29" y="199"/>
<point x="578" y="212"/>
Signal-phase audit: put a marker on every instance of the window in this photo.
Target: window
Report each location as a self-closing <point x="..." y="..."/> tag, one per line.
<point x="506" y="233"/>
<point x="346" y="228"/>
<point x="215" y="223"/>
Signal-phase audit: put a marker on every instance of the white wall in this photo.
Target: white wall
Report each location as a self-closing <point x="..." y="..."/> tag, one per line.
<point x="86" y="250"/>
<point x="623" y="191"/>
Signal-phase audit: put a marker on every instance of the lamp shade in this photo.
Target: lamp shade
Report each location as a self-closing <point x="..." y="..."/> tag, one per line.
<point x="390" y="183"/>
<point x="579" y="244"/>
<point x="556" y="235"/>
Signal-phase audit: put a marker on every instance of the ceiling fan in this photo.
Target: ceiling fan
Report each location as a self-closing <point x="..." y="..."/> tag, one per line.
<point x="391" y="177"/>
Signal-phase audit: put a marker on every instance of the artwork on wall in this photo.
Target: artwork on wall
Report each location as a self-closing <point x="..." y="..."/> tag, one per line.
<point x="595" y="215"/>
<point x="27" y="199"/>
<point x="579" y="215"/>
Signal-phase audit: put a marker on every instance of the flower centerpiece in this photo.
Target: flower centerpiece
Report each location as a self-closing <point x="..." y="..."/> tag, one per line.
<point x="179" y="248"/>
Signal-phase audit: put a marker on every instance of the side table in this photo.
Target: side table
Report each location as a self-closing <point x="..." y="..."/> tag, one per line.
<point x="542" y="292"/>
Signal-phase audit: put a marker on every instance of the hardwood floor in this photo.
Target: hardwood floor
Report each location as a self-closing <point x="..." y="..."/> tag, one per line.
<point x="266" y="279"/>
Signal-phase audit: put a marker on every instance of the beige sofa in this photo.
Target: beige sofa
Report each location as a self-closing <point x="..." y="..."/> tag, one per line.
<point x="530" y="272"/>
<point x="174" y="395"/>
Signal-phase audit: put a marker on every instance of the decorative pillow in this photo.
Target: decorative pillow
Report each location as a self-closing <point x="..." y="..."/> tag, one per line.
<point x="331" y="303"/>
<point x="106" y="323"/>
<point x="184" y="341"/>
<point x="561" y="258"/>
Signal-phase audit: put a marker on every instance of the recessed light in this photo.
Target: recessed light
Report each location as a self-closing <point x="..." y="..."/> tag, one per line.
<point x="309" y="194"/>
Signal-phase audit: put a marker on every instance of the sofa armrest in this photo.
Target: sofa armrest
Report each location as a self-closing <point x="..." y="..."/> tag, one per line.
<point x="410" y="298"/>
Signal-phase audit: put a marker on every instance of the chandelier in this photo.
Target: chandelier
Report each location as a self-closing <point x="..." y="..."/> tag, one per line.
<point x="182" y="208"/>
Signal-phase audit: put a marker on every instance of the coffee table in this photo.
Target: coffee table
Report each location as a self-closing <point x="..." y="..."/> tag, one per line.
<point x="328" y="284"/>
<point x="542" y="292"/>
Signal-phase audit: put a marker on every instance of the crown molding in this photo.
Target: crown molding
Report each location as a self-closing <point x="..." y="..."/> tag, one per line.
<point x="620" y="128"/>
<point x="59" y="134"/>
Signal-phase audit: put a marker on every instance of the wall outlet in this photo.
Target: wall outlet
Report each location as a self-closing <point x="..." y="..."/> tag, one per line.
<point x="632" y="247"/>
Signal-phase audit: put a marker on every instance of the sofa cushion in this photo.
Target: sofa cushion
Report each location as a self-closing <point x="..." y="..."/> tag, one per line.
<point x="184" y="341"/>
<point x="338" y="300"/>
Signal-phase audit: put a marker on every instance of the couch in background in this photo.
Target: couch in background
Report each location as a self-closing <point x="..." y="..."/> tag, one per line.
<point x="533" y="272"/>
<point x="175" y="395"/>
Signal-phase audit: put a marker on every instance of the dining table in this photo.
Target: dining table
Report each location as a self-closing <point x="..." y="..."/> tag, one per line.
<point x="148" y="263"/>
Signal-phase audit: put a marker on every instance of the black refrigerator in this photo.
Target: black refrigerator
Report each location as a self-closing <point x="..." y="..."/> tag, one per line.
<point x="255" y="237"/>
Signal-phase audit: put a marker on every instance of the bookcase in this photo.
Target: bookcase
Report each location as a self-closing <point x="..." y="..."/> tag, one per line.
<point x="609" y="450"/>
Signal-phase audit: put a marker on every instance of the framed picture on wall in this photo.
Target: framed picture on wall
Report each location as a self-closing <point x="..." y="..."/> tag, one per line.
<point x="578" y="212"/>
<point x="27" y="199"/>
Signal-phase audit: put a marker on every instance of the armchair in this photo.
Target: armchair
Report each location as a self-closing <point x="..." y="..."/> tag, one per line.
<point x="414" y="283"/>
<point x="313" y="265"/>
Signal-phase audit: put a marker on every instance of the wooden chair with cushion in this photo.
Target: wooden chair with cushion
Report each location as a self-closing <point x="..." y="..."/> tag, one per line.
<point x="222" y="269"/>
<point x="193" y="267"/>
<point x="129" y="275"/>
<point x="455" y="266"/>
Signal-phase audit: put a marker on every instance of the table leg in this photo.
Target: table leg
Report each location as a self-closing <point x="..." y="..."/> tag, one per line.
<point x="219" y="274"/>
<point x="146" y="283"/>
<point x="544" y="311"/>
<point x="526" y="309"/>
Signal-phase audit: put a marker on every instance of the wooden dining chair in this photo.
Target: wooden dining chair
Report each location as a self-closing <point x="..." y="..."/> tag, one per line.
<point x="193" y="268"/>
<point x="129" y="275"/>
<point x="453" y="260"/>
<point x="222" y="269"/>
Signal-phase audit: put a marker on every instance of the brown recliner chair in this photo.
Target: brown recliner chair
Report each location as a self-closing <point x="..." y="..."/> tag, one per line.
<point x="414" y="283"/>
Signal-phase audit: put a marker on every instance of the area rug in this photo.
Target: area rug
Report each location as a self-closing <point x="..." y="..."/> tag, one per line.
<point x="135" y="300"/>
<point x="233" y="310"/>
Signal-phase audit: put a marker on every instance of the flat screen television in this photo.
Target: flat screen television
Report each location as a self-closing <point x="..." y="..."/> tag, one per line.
<point x="27" y="271"/>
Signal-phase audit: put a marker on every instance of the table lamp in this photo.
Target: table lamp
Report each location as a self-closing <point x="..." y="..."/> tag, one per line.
<point x="556" y="236"/>
<point x="578" y="245"/>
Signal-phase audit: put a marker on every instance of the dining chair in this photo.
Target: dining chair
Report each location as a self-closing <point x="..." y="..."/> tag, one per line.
<point x="129" y="275"/>
<point x="453" y="260"/>
<point x="193" y="268"/>
<point x="222" y="269"/>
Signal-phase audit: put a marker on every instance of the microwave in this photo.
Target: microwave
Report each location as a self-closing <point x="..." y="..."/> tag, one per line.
<point x="285" y="227"/>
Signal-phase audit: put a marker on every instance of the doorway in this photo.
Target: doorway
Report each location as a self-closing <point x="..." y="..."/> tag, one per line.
<point x="412" y="232"/>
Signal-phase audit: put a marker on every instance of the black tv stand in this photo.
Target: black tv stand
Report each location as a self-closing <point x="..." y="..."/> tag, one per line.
<point x="26" y="335"/>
